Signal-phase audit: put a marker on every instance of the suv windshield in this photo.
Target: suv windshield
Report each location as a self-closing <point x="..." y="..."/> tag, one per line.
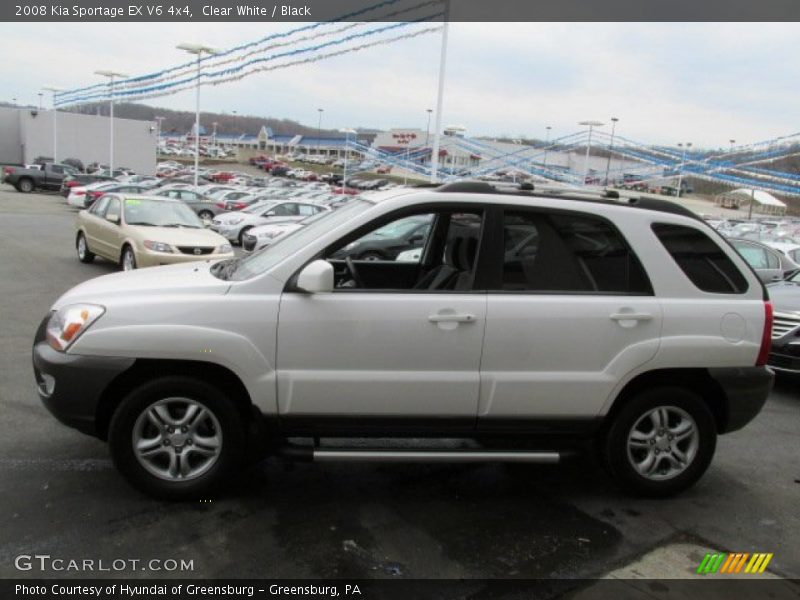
<point x="282" y="248"/>
<point x="159" y="213"/>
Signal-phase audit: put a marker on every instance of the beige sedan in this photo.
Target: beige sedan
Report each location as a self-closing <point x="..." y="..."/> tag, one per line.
<point x="144" y="231"/>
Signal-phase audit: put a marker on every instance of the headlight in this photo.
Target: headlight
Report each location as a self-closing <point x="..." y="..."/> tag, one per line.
<point x="157" y="246"/>
<point x="224" y="249"/>
<point x="235" y="221"/>
<point x="68" y="323"/>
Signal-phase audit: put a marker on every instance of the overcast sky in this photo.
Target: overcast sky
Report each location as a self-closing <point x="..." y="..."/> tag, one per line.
<point x="705" y="83"/>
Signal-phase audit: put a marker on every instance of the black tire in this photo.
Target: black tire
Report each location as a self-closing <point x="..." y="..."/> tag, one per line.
<point x="25" y="185"/>
<point x="126" y="249"/>
<point x="371" y="256"/>
<point x="82" y="247"/>
<point x="619" y="460"/>
<point x="241" y="234"/>
<point x="206" y="214"/>
<point x="122" y="431"/>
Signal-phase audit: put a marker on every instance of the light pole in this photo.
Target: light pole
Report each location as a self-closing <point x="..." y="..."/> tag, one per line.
<point x="198" y="50"/>
<point x="611" y="146"/>
<point x="159" y="125"/>
<point x="319" y="127"/>
<point x="40" y="100"/>
<point x="591" y="125"/>
<point x="215" y="133"/>
<point x="53" y="90"/>
<point x="732" y="143"/>
<point x="346" y="133"/>
<point x="111" y="75"/>
<point x="546" y="143"/>
<point x="683" y="163"/>
<point x="428" y="126"/>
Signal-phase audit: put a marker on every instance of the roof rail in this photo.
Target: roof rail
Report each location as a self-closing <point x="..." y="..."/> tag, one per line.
<point x="620" y="197"/>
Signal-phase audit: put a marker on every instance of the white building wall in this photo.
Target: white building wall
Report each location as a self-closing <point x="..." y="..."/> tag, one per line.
<point x="85" y="137"/>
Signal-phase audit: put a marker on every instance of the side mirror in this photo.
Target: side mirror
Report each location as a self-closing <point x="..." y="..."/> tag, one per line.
<point x="416" y="238"/>
<point x="316" y="277"/>
<point x="113" y="218"/>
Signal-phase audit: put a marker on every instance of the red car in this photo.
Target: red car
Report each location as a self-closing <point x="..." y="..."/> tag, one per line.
<point x="384" y="169"/>
<point x="221" y="176"/>
<point x="345" y="190"/>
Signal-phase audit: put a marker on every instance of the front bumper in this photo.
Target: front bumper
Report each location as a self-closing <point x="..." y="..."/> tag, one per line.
<point x="154" y="259"/>
<point x="70" y="385"/>
<point x="746" y="390"/>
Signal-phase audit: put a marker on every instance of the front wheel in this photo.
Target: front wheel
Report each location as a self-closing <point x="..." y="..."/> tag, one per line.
<point x="661" y="442"/>
<point x="176" y="438"/>
<point x="128" y="260"/>
<point x="206" y="215"/>
<point x="84" y="254"/>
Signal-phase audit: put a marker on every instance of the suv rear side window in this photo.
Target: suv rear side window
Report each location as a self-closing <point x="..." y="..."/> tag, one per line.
<point x="701" y="259"/>
<point x="568" y="253"/>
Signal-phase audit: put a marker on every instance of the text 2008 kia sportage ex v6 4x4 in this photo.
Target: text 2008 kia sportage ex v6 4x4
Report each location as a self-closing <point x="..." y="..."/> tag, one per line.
<point x="529" y="320"/>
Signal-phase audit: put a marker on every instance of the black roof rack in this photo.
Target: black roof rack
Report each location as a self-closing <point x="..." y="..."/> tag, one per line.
<point x="584" y="195"/>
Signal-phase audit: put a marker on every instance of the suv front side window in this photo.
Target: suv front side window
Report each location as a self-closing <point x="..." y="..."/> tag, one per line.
<point x="425" y="251"/>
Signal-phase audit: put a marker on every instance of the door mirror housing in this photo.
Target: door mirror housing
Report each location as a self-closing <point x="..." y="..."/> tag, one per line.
<point x="316" y="277"/>
<point x="113" y="218"/>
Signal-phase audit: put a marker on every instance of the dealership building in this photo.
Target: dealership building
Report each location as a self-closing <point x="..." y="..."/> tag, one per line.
<point x="27" y="134"/>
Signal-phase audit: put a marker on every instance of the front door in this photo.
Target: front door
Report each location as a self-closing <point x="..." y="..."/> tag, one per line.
<point x="394" y="338"/>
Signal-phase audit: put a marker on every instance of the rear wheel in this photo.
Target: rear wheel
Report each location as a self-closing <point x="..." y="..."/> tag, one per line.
<point x="84" y="255"/>
<point x="25" y="185"/>
<point x="206" y="215"/>
<point x="176" y="437"/>
<point x="128" y="259"/>
<point x="661" y="442"/>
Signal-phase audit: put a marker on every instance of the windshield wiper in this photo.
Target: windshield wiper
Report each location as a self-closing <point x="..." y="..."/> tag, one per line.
<point x="142" y="223"/>
<point x="180" y="225"/>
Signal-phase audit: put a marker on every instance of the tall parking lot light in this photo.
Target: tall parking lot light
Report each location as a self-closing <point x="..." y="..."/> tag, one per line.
<point x="111" y="75"/>
<point x="546" y="144"/>
<point x="159" y="125"/>
<point x="683" y="163"/>
<point x="53" y="90"/>
<point x="346" y="133"/>
<point x="591" y="125"/>
<point x="319" y="127"/>
<point x="611" y="146"/>
<point x="198" y="50"/>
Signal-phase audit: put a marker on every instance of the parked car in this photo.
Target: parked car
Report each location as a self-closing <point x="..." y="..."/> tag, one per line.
<point x="262" y="236"/>
<point x="234" y="225"/>
<point x="389" y="241"/>
<point x="47" y="177"/>
<point x="83" y="196"/>
<point x="203" y="206"/>
<point x="632" y="326"/>
<point x="142" y="231"/>
<point x="785" y="297"/>
<point x="770" y="264"/>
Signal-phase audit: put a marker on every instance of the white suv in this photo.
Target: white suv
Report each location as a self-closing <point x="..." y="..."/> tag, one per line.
<point x="530" y="323"/>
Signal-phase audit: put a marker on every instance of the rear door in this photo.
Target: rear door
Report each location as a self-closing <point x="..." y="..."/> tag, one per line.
<point x="570" y="312"/>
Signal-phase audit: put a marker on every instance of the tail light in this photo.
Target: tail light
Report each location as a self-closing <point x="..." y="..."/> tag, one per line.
<point x="766" y="336"/>
<point x="8" y="170"/>
<point x="80" y="193"/>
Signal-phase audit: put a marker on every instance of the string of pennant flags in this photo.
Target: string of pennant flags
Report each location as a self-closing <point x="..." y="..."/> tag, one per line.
<point x="303" y="45"/>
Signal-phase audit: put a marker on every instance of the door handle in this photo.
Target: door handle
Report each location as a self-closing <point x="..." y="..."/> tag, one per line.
<point x="631" y="317"/>
<point x="452" y="318"/>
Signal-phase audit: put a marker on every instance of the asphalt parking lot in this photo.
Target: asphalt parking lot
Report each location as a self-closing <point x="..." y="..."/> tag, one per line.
<point x="62" y="497"/>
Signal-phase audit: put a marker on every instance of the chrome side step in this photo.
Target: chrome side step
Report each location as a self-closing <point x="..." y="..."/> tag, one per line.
<point x="451" y="456"/>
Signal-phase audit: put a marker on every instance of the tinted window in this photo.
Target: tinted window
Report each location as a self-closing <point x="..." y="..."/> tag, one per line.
<point x="701" y="259"/>
<point x="568" y="253"/>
